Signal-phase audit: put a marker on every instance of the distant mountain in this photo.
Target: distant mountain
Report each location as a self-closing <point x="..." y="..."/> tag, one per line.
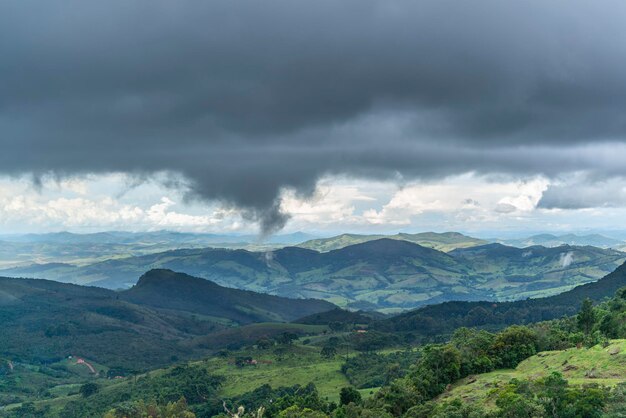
<point x="446" y="241"/>
<point x="155" y="237"/>
<point x="549" y="240"/>
<point x="386" y="274"/>
<point x="161" y="316"/>
<point x="82" y="249"/>
<point x="439" y="319"/>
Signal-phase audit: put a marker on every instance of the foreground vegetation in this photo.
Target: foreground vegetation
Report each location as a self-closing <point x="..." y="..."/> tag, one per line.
<point x="327" y="364"/>
<point x="570" y="367"/>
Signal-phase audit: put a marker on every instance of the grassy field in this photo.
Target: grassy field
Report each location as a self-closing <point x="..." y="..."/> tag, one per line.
<point x="602" y="365"/>
<point x="301" y="365"/>
<point x="298" y="364"/>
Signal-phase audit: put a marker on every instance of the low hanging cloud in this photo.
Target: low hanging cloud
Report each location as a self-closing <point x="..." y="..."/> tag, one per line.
<point x="566" y="259"/>
<point x="243" y="99"/>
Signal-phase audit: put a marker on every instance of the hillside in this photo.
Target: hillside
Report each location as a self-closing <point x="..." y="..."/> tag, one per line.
<point x="519" y="273"/>
<point x="166" y="289"/>
<point x="44" y="321"/>
<point x="579" y="366"/>
<point x="445" y="317"/>
<point x="446" y="241"/>
<point x="385" y="274"/>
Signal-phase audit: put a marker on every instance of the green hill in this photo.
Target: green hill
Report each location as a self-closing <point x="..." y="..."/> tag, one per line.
<point x="443" y="318"/>
<point x="165" y="289"/>
<point x="44" y="321"/>
<point x="579" y="366"/>
<point x="445" y="241"/>
<point x="517" y="273"/>
<point x="385" y="274"/>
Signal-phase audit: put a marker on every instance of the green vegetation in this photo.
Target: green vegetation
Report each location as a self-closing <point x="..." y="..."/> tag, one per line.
<point x="384" y="274"/>
<point x="601" y="364"/>
<point x="437" y="320"/>
<point x="339" y="364"/>
<point x="368" y="370"/>
<point x="165" y="316"/>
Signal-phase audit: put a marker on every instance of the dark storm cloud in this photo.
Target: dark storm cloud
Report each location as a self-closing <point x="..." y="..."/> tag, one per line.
<point x="245" y="97"/>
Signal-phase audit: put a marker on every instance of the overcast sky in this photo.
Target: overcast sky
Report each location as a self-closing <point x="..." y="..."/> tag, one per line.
<point x="324" y="116"/>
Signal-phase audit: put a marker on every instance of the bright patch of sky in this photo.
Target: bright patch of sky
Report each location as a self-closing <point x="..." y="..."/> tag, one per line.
<point x="469" y="203"/>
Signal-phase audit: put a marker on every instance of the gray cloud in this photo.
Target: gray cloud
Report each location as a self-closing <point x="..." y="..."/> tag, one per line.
<point x="585" y="193"/>
<point x="243" y="98"/>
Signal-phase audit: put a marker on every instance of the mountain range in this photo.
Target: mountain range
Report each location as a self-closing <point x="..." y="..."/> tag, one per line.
<point x="445" y="241"/>
<point x="550" y="240"/>
<point x="448" y="241"/>
<point x="82" y="249"/>
<point x="384" y="274"/>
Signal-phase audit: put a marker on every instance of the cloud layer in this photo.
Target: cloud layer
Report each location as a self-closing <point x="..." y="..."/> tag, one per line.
<point x="242" y="99"/>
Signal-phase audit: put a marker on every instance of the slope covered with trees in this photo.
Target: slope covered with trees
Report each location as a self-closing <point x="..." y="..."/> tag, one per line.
<point x="43" y="321"/>
<point x="445" y="317"/>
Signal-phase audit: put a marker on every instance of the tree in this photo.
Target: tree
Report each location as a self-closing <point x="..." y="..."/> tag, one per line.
<point x="140" y="409"/>
<point x="296" y="411"/>
<point x="88" y="389"/>
<point x="586" y="317"/>
<point x="286" y="338"/>
<point x="264" y="343"/>
<point x="328" y="351"/>
<point x="513" y="345"/>
<point x="442" y="362"/>
<point x="333" y="341"/>
<point x="392" y="372"/>
<point x="516" y="405"/>
<point x="349" y="395"/>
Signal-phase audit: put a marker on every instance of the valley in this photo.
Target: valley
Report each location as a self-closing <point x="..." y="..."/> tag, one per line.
<point x="383" y="274"/>
<point x="74" y="350"/>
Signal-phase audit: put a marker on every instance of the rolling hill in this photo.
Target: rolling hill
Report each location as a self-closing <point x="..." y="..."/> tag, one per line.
<point x="443" y="318"/>
<point x="446" y="241"/>
<point x="383" y="274"/>
<point x="550" y="240"/>
<point x="519" y="273"/>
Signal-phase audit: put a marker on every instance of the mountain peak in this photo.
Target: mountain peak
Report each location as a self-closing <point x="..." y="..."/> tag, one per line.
<point x="167" y="289"/>
<point x="161" y="276"/>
